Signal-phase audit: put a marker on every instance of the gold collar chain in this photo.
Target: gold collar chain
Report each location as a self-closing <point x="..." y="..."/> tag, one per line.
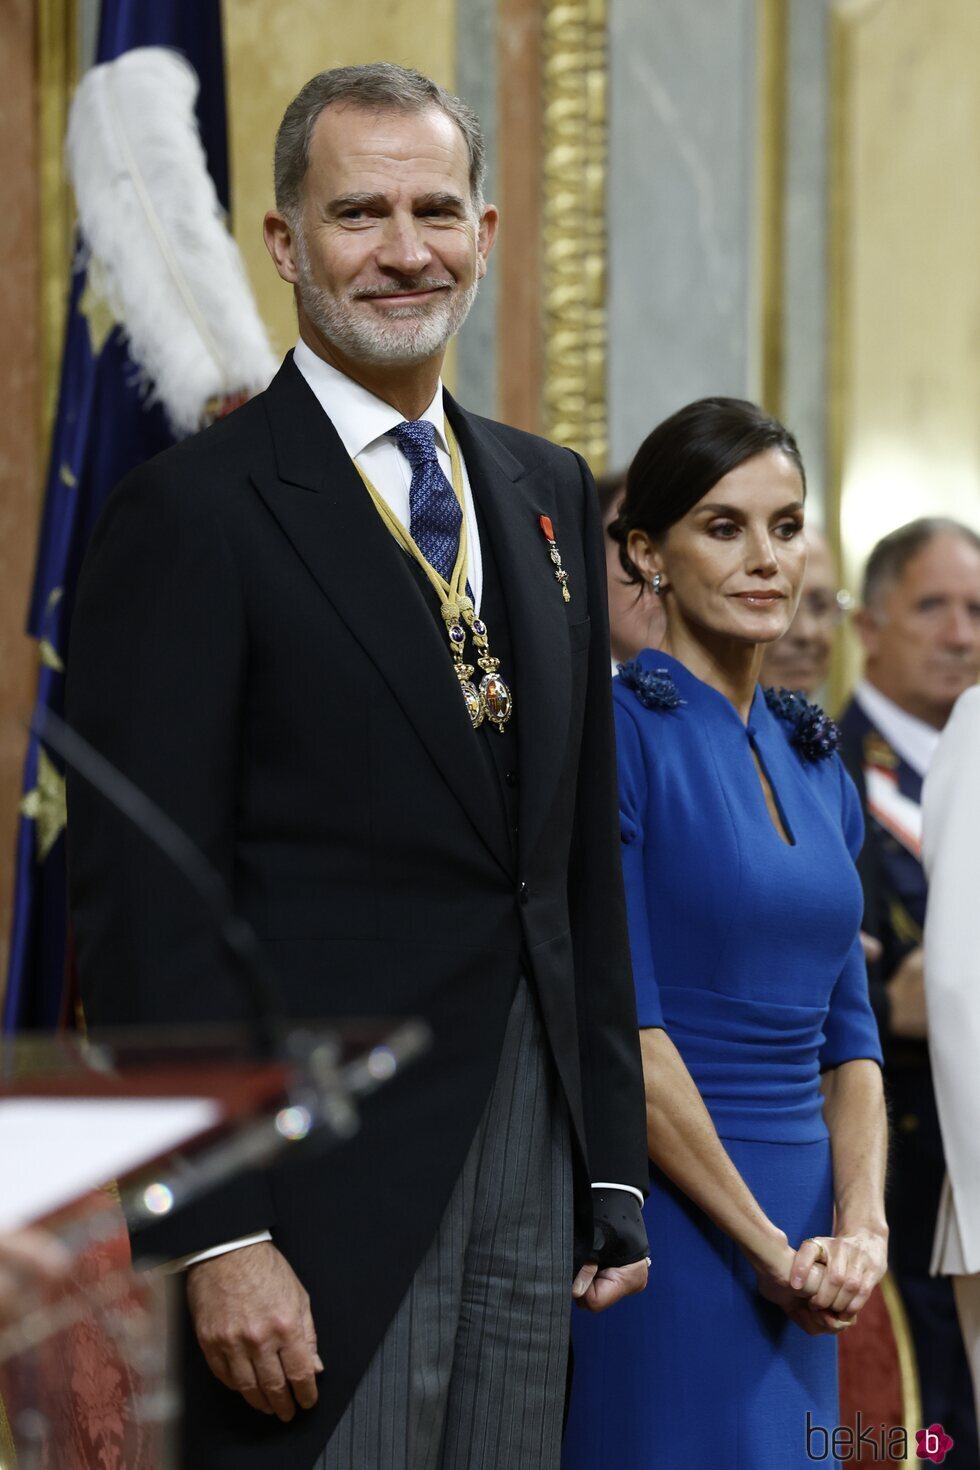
<point x="492" y="700"/>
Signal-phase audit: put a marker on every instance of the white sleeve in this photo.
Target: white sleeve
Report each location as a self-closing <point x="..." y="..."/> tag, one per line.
<point x="629" y="1188"/>
<point x="169" y="1268"/>
<point x="951" y="840"/>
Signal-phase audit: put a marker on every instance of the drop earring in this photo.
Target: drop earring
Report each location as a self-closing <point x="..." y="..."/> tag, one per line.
<point x="656" y="583"/>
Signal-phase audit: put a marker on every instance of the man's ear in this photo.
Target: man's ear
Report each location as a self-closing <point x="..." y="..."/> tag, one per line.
<point x="868" y="629"/>
<point x="485" y="238"/>
<point x="281" y="244"/>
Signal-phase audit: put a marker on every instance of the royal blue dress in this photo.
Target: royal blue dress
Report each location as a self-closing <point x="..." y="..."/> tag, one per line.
<point x="746" y="950"/>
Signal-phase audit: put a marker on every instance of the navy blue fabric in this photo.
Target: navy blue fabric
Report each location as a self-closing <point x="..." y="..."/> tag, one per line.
<point x="104" y="427"/>
<point x="745" y="948"/>
<point x="436" y="514"/>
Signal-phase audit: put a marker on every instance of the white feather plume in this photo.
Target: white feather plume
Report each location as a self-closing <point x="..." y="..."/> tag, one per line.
<point x="166" y="263"/>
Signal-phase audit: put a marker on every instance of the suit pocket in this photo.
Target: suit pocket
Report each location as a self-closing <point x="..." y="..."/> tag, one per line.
<point x="578" y="633"/>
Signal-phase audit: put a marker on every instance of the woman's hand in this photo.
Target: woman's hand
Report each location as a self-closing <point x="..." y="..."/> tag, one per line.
<point x="853" y="1264"/>
<point x="776" y="1275"/>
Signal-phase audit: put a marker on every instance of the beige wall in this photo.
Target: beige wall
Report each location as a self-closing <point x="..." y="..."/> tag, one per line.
<point x="908" y="246"/>
<point x="270" y="51"/>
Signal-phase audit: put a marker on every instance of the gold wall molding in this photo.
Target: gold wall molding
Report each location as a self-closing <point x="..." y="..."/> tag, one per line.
<point x="575" y="132"/>
<point x="845" y="659"/>
<point x="8" y="1450"/>
<point x="907" y="1368"/>
<point x="57" y="73"/>
<point x="773" y="65"/>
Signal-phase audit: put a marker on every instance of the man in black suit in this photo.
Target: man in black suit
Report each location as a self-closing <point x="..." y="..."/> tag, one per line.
<point x="920" y="626"/>
<point x="261" y="647"/>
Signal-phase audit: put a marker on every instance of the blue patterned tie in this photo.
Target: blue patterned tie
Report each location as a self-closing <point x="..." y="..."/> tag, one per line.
<point x="434" y="511"/>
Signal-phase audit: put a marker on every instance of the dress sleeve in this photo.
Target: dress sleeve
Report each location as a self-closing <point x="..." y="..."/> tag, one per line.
<point x="850" y="1030"/>
<point x="632" y="815"/>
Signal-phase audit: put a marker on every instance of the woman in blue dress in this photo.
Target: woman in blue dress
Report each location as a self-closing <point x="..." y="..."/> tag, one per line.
<point x="765" y="1114"/>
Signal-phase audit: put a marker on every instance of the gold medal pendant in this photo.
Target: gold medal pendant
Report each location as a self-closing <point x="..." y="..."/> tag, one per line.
<point x="464" y="671"/>
<point x="496" y="700"/>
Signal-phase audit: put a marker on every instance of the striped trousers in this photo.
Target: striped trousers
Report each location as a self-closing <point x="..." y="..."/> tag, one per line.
<point x="471" y="1372"/>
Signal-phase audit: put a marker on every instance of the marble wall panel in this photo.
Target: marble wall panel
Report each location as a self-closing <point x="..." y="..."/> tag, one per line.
<point x="803" y="396"/>
<point x="477" y="77"/>
<point x="682" y="307"/>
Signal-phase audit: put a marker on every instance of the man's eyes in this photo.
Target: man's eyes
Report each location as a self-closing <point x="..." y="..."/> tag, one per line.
<point x="355" y="214"/>
<point x="930" y="605"/>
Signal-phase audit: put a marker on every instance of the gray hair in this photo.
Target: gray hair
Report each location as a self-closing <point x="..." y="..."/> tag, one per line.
<point x="380" y="86"/>
<point x="893" y="552"/>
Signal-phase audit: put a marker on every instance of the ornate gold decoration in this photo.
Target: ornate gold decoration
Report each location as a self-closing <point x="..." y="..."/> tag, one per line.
<point x="99" y="315"/>
<point x="47" y="652"/>
<point x="908" y="1371"/>
<point x="8" y="1450"/>
<point x="46" y="805"/>
<point x="906" y="930"/>
<point x="574" y="85"/>
<point x="49" y="656"/>
<point x="837" y="357"/>
<point x="56" y="75"/>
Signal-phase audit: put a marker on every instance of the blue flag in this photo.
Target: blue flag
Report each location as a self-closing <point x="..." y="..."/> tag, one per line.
<point x="103" y="429"/>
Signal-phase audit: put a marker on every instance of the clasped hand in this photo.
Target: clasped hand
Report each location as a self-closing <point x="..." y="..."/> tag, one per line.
<point x="823" y="1285"/>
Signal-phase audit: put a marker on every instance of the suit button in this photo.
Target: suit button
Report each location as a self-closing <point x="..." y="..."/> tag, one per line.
<point x="522" y="894"/>
<point x="511" y="778"/>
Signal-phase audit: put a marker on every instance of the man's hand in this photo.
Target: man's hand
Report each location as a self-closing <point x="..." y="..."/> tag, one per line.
<point x="596" y="1290"/>
<point x="907" y="998"/>
<point x="252" y="1318"/>
<point x="872" y="947"/>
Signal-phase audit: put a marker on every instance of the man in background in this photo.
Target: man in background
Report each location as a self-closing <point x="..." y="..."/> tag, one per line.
<point x="919" y="624"/>
<point x="636" y="617"/>
<point x="801" y="658"/>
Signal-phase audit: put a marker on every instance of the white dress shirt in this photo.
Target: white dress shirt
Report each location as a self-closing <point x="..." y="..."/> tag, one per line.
<point x="911" y="738"/>
<point x="364" y="424"/>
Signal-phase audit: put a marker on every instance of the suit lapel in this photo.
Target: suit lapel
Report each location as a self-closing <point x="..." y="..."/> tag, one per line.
<point x="511" y="499"/>
<point x="317" y="497"/>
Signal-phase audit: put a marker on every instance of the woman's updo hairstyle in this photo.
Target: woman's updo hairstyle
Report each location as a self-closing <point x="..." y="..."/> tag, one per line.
<point x="684" y="457"/>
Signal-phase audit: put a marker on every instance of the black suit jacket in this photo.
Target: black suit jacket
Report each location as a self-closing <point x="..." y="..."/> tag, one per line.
<point x="253" y="649"/>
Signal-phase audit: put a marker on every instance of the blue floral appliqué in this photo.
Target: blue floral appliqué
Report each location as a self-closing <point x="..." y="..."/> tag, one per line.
<point x="815" y="735"/>
<point x="654" y="690"/>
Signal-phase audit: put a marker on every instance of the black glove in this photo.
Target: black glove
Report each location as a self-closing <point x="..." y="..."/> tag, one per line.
<point x="619" y="1235"/>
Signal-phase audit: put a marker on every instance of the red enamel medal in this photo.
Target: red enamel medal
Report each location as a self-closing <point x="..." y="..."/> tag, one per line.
<point x="561" y="576"/>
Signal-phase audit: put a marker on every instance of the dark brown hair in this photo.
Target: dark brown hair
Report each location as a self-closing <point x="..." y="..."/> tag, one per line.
<point x="684" y="457"/>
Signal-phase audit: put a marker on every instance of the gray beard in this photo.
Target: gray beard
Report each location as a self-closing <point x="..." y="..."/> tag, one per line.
<point x="411" y="334"/>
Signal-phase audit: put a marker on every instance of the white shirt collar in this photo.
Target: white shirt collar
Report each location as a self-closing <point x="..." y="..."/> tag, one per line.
<point x="358" y="416"/>
<point x="911" y="738"/>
